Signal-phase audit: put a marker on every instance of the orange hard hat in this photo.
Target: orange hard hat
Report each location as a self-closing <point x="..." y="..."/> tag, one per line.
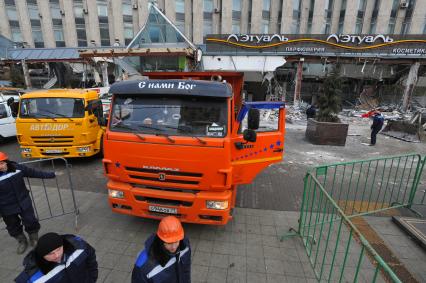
<point x="3" y="156"/>
<point x="170" y="230"/>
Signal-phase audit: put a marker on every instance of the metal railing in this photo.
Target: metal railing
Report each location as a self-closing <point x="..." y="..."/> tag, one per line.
<point x="419" y="196"/>
<point x="55" y="197"/>
<point x="337" y="250"/>
<point x="372" y="185"/>
<point x="336" y="196"/>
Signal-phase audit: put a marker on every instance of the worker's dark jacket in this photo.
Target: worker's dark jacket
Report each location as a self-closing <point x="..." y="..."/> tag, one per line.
<point x="79" y="265"/>
<point x="378" y="121"/>
<point x="311" y="112"/>
<point x="176" y="270"/>
<point x="14" y="195"/>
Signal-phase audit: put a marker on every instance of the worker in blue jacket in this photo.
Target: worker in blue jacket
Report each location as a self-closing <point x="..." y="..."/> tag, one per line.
<point x="378" y="121"/>
<point x="166" y="257"/>
<point x="16" y="206"/>
<point x="60" y="259"/>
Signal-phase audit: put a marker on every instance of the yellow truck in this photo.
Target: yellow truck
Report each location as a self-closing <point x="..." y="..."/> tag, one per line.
<point x="60" y="123"/>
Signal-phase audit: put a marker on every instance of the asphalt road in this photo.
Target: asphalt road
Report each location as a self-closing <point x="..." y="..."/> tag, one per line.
<point x="267" y="192"/>
<point x="86" y="173"/>
<point x="278" y="187"/>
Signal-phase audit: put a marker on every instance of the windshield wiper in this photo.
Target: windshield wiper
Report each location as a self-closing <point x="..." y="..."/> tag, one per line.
<point x="136" y="133"/>
<point x="166" y="136"/>
<point x="58" y="114"/>
<point x="188" y="132"/>
<point x="150" y="127"/>
<point x="46" y="116"/>
<point x="30" y="116"/>
<point x="157" y="134"/>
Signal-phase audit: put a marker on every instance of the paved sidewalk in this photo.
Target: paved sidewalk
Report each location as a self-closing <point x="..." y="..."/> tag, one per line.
<point x="246" y="250"/>
<point x="404" y="248"/>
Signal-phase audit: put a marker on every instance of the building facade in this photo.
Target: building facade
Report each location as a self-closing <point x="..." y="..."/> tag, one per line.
<point x="72" y="23"/>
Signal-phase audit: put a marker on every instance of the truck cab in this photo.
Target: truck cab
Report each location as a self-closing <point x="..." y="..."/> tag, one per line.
<point x="61" y="122"/>
<point x="180" y="144"/>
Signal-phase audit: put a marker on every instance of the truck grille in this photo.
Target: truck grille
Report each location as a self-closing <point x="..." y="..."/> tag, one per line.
<point x="164" y="177"/>
<point x="55" y="154"/>
<point x="163" y="201"/>
<point x="190" y="191"/>
<point x="52" y="141"/>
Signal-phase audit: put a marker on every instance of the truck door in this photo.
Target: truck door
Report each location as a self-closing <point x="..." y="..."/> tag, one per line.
<point x="251" y="157"/>
<point x="94" y="109"/>
<point x="95" y="113"/>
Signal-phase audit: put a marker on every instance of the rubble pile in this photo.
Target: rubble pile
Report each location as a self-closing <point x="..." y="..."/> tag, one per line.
<point x="410" y="126"/>
<point x="296" y="112"/>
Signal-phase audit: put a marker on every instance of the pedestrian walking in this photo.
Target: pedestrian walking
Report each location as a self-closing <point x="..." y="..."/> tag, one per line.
<point x="60" y="259"/>
<point x="378" y="121"/>
<point x="166" y="257"/>
<point x="16" y="206"/>
<point x="311" y="112"/>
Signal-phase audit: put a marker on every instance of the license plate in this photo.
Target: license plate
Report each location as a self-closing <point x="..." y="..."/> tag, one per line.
<point x="162" y="209"/>
<point x="53" y="151"/>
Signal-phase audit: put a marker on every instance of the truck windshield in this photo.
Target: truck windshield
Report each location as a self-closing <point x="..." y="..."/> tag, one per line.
<point x="180" y="116"/>
<point x="52" y="107"/>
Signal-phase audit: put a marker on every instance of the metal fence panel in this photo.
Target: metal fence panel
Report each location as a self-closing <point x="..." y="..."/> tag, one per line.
<point x="372" y="185"/>
<point x="419" y="196"/>
<point x="337" y="195"/>
<point x="52" y="197"/>
<point x="336" y="249"/>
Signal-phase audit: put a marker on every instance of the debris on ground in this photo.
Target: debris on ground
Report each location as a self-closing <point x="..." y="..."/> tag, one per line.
<point x="411" y="130"/>
<point x="410" y="126"/>
<point x="296" y="112"/>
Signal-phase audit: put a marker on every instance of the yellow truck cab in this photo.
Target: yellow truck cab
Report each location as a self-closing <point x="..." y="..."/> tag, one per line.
<point x="60" y="122"/>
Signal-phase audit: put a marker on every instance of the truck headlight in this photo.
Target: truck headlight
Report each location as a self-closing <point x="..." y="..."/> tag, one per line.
<point x="219" y="205"/>
<point x="116" y="194"/>
<point x="26" y="150"/>
<point x="83" y="149"/>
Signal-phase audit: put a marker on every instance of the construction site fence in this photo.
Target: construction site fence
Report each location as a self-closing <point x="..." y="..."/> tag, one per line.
<point x="374" y="185"/>
<point x="52" y="198"/>
<point x="337" y="250"/>
<point x="337" y="195"/>
<point x="420" y="194"/>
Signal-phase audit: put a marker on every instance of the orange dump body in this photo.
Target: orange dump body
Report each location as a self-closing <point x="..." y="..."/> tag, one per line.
<point x="193" y="177"/>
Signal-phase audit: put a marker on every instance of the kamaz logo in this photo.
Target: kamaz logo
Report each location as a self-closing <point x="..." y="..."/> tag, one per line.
<point x="160" y="168"/>
<point x="162" y="176"/>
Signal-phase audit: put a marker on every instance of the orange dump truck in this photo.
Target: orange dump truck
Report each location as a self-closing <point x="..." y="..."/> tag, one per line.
<point x="180" y="144"/>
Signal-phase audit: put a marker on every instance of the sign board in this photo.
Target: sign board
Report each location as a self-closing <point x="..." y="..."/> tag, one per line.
<point x="320" y="44"/>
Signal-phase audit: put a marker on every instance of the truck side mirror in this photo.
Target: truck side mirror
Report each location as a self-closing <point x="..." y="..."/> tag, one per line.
<point x="253" y="119"/>
<point x="249" y="135"/>
<point x="89" y="107"/>
<point x="103" y="121"/>
<point x="10" y="101"/>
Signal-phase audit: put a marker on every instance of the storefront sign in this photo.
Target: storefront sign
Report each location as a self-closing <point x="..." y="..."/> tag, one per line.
<point x="359" y="39"/>
<point x="345" y="44"/>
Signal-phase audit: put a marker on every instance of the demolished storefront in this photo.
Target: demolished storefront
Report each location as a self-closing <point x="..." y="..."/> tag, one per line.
<point x="386" y="67"/>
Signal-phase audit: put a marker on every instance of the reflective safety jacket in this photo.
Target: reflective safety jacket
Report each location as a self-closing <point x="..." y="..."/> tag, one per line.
<point x="177" y="270"/>
<point x="14" y="195"/>
<point x="80" y="265"/>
